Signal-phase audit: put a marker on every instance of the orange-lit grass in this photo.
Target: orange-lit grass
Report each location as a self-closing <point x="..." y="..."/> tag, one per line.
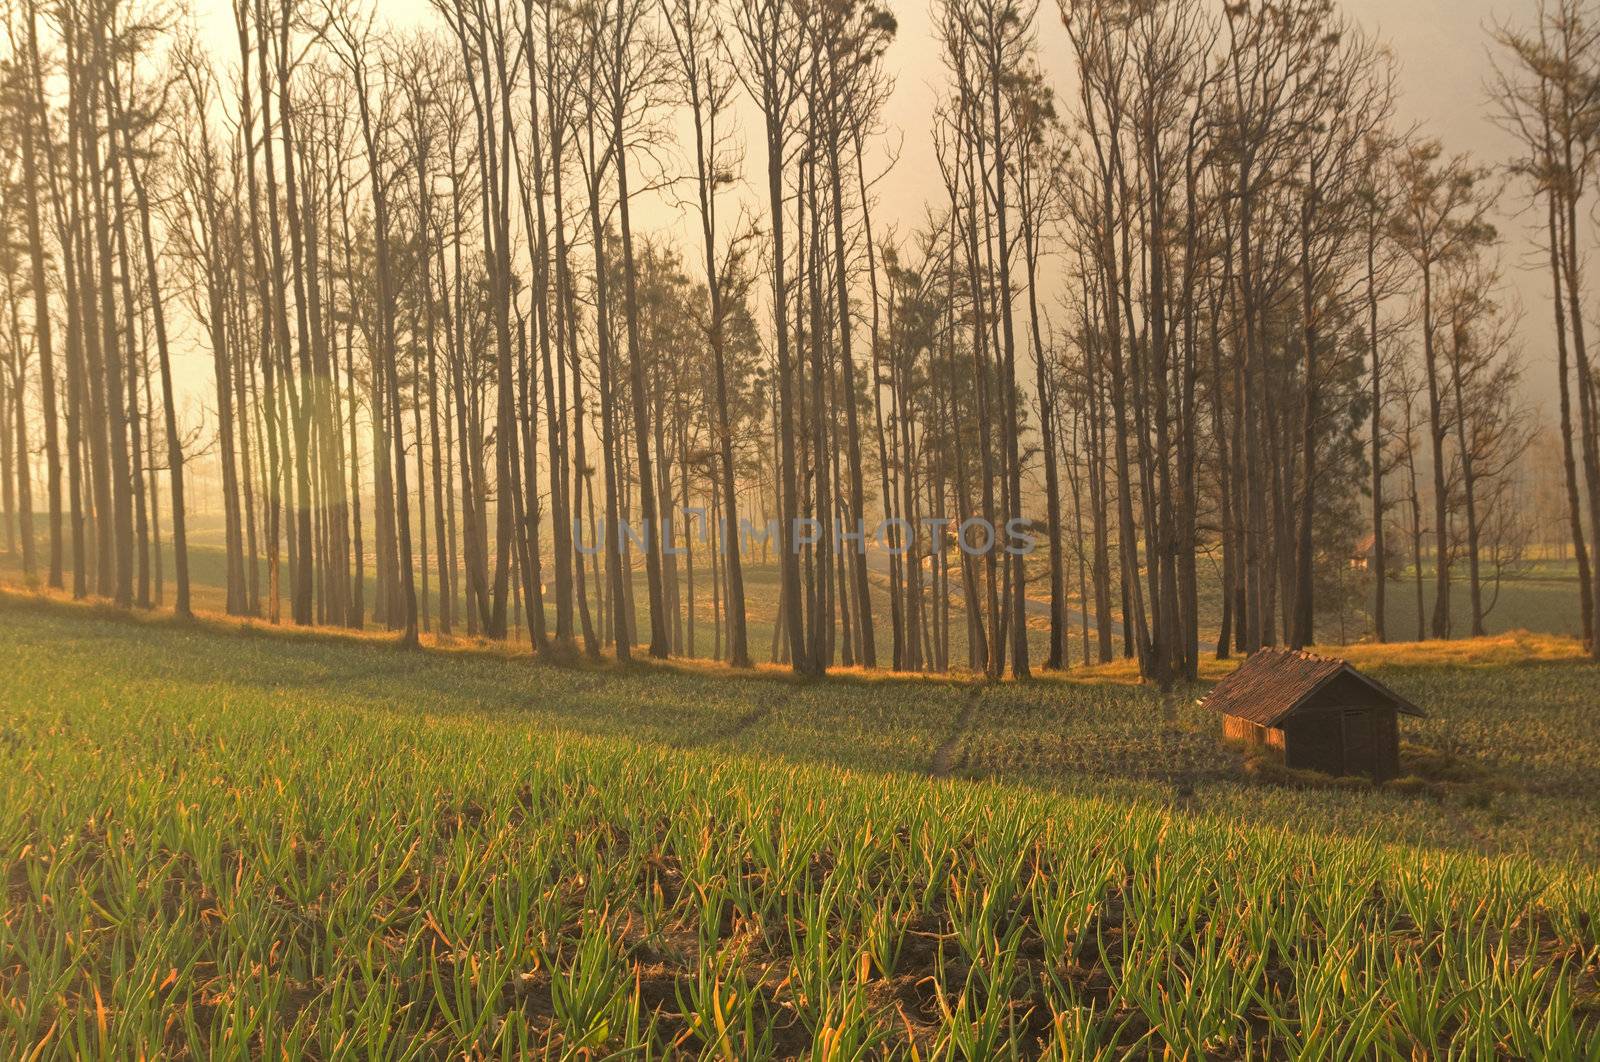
<point x="1516" y="648"/>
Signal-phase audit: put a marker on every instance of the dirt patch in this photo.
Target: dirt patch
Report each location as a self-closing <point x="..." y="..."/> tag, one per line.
<point x="944" y="757"/>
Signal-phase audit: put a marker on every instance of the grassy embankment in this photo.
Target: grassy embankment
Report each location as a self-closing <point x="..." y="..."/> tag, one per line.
<point x="1541" y="597"/>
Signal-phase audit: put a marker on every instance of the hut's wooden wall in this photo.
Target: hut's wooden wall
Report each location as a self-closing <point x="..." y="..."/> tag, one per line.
<point x="1314" y="741"/>
<point x="1254" y="735"/>
<point x="1333" y="735"/>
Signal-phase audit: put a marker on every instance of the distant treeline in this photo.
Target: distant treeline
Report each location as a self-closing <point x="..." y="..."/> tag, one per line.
<point x="1197" y="311"/>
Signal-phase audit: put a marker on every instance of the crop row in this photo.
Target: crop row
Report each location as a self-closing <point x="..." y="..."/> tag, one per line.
<point x="219" y="873"/>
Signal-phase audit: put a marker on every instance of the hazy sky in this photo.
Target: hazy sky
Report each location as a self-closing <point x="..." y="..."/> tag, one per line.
<point x="1441" y="45"/>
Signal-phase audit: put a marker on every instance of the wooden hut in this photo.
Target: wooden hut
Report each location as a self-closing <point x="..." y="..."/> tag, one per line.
<point x="1315" y="713"/>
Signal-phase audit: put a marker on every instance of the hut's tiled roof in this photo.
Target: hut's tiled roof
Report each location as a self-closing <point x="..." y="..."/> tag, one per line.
<point x="1274" y="682"/>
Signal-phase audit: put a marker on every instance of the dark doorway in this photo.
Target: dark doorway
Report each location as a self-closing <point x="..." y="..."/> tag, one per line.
<point x="1358" y="741"/>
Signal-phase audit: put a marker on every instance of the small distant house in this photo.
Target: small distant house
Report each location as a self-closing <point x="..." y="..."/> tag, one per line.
<point x="1315" y="713"/>
<point x="1361" y="557"/>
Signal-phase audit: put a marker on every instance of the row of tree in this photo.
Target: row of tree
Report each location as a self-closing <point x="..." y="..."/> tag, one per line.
<point x="1204" y="324"/>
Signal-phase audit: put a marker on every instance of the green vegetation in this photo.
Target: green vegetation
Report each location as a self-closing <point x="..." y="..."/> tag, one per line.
<point x="220" y="842"/>
<point x="1543" y="596"/>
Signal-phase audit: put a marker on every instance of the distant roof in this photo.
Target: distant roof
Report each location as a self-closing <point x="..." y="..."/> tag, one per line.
<point x="1273" y="683"/>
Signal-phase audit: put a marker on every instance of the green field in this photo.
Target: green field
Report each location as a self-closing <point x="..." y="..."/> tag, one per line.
<point x="223" y="842"/>
<point x="1542" y="597"/>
